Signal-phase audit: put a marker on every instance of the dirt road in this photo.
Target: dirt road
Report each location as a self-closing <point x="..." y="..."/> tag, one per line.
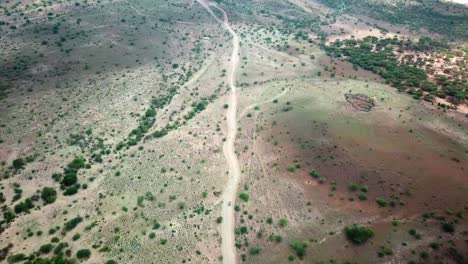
<point x="230" y="191"/>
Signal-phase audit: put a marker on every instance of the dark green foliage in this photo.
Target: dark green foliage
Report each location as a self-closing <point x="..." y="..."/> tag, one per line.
<point x="384" y="250"/>
<point x="314" y="174"/>
<point x="244" y="196"/>
<point x="358" y="234"/>
<point x="76" y="163"/>
<point x="46" y="249"/>
<point x="148" y="120"/>
<point x="381" y="202"/>
<point x="382" y="62"/>
<point x="71" y="190"/>
<point x="72" y="223"/>
<point x="377" y="55"/>
<point x="57" y="177"/>
<point x="196" y="108"/>
<point x="76" y="236"/>
<point x="255" y="250"/>
<point x="427" y="14"/>
<point x="18" y="164"/>
<point x="353" y="187"/>
<point x="448" y="227"/>
<point x="300" y="248"/>
<point x="241" y="230"/>
<point x="156" y="226"/>
<point x="8" y="214"/>
<point x="71" y="171"/>
<point x="16" y="258"/>
<point x="49" y="195"/>
<point x="25" y="206"/>
<point x="4" y="252"/>
<point x="457" y="255"/>
<point x="70" y="178"/>
<point x="83" y="254"/>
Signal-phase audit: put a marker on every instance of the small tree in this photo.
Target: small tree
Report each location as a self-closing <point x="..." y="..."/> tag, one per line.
<point x="244" y="196"/>
<point x="18" y="164"/>
<point x="49" y="195"/>
<point x="358" y="234"/>
<point x="83" y="254"/>
<point x="299" y="247"/>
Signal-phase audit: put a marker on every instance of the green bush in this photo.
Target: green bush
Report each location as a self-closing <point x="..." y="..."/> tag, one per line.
<point x="353" y="187"/>
<point x="72" y="223"/>
<point x="18" y="164"/>
<point x="16" y="258"/>
<point x="358" y="234"/>
<point x="300" y="248"/>
<point x="76" y="236"/>
<point x="49" y="195"/>
<point x="314" y="174"/>
<point x="255" y="250"/>
<point x="24" y="207"/>
<point x="83" y="254"/>
<point x="381" y="202"/>
<point x="283" y="222"/>
<point x="448" y="227"/>
<point x="244" y="196"/>
<point x="46" y="249"/>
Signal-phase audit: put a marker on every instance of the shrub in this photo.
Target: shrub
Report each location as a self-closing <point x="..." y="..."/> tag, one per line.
<point x="283" y="222"/>
<point x="244" y="196"/>
<point x="362" y="196"/>
<point x="243" y="230"/>
<point x="299" y="247"/>
<point x="70" y="178"/>
<point x="381" y="202"/>
<point x="219" y="220"/>
<point x="353" y="187"/>
<point x="45" y="249"/>
<point x="76" y="236"/>
<point x="18" y="164"/>
<point x="16" y="258"/>
<point x="72" y="190"/>
<point x="364" y="189"/>
<point x="72" y="223"/>
<point x="25" y="206"/>
<point x="49" y="195"/>
<point x="314" y="174"/>
<point x="448" y="227"/>
<point x="358" y="234"/>
<point x="255" y="250"/>
<point x="83" y="254"/>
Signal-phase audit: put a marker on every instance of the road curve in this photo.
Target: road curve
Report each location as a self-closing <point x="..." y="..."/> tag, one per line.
<point x="230" y="191"/>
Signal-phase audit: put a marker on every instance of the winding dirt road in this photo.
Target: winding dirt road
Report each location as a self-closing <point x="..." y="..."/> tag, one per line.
<point x="230" y="192"/>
